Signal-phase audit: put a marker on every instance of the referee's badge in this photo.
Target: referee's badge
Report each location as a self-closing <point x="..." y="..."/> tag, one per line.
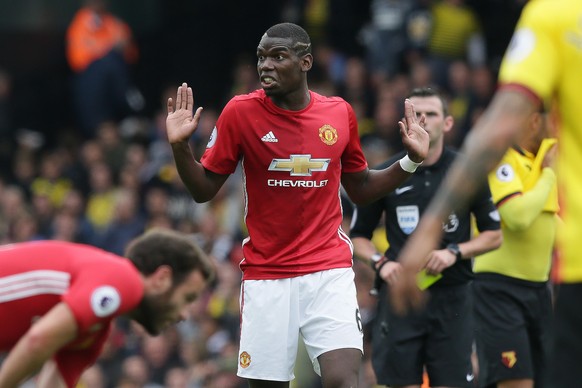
<point x="408" y="217"/>
<point x="505" y="173"/>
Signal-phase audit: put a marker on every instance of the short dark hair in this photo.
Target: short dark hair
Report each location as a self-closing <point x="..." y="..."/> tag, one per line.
<point x="430" y="92"/>
<point x="301" y="42"/>
<point x="159" y="247"/>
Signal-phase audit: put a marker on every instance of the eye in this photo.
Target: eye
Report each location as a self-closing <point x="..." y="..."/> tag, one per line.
<point x="260" y="58"/>
<point x="279" y="57"/>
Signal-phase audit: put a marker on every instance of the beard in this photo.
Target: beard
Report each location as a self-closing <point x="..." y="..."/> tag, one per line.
<point x="147" y="314"/>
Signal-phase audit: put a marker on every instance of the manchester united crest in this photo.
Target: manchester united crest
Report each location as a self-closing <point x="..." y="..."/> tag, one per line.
<point x="244" y="360"/>
<point x="328" y="134"/>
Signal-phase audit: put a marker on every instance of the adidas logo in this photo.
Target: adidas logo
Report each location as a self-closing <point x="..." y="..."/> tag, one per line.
<point x="270" y="138"/>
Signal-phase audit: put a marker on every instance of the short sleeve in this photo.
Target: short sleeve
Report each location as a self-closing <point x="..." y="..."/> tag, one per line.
<point x="223" y="150"/>
<point x="353" y="159"/>
<point x="504" y="181"/>
<point x="98" y="294"/>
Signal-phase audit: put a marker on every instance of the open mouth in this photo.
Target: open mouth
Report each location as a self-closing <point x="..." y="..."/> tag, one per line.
<point x="267" y="82"/>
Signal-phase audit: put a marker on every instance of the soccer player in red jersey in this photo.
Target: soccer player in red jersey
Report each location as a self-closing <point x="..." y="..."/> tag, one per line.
<point x="58" y="299"/>
<point x="295" y="147"/>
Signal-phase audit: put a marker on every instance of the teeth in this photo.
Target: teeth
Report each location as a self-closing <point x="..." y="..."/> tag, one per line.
<point x="268" y="80"/>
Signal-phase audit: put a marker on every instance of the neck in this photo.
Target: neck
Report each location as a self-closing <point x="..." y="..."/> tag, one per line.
<point x="434" y="153"/>
<point x="293" y="101"/>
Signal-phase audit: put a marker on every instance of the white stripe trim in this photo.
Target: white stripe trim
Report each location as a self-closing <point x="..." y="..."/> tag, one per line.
<point x="343" y="236"/>
<point x="33" y="283"/>
<point x="32" y="292"/>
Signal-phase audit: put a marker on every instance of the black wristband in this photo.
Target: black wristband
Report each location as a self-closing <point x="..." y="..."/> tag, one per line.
<point x="383" y="262"/>
<point x="454" y="248"/>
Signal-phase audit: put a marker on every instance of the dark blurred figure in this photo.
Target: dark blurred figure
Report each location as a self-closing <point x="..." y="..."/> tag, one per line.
<point x="100" y="51"/>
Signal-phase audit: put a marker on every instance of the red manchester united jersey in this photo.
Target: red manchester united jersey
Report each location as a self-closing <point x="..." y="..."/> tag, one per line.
<point x="96" y="285"/>
<point x="292" y="163"/>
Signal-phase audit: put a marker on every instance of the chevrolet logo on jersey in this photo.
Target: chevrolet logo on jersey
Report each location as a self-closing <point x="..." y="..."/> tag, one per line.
<point x="299" y="165"/>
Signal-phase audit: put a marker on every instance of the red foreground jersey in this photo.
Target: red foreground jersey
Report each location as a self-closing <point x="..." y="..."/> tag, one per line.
<point x="96" y="285"/>
<point x="292" y="163"/>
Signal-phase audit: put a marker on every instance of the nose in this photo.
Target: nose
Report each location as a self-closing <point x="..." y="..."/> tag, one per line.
<point x="265" y="64"/>
<point x="184" y="314"/>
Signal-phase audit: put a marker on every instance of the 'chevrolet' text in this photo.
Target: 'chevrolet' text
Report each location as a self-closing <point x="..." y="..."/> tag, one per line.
<point x="295" y="183"/>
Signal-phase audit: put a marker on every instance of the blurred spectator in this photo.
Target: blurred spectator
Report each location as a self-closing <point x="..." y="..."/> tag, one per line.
<point x="460" y="98"/>
<point x="13" y="204"/>
<point x="385" y="37"/>
<point x="176" y="377"/>
<point x="50" y="181"/>
<point x="456" y="35"/>
<point x="101" y="200"/>
<point x="112" y="144"/>
<point x="211" y="238"/>
<point x="100" y="50"/>
<point x="92" y="377"/>
<point x="356" y="87"/>
<point x="135" y="369"/>
<point x="126" y="224"/>
<point x="6" y="119"/>
<point x="160" y="357"/>
<point x="386" y="129"/>
<point x="25" y="228"/>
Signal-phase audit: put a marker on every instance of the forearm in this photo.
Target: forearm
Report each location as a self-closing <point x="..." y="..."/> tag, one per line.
<point x="485" y="241"/>
<point x="376" y="184"/>
<point x="23" y="361"/>
<point x="519" y="212"/>
<point x="363" y="249"/>
<point x="192" y="173"/>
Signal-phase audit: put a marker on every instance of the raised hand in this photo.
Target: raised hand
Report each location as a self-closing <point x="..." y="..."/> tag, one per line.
<point x="414" y="138"/>
<point x="180" y="122"/>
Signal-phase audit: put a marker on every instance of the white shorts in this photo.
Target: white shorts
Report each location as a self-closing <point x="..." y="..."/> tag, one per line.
<point x="322" y="307"/>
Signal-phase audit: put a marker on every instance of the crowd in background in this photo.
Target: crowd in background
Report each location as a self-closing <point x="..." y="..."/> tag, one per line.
<point x="106" y="186"/>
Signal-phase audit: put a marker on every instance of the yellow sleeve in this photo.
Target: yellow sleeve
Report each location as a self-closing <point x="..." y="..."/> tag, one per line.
<point x="519" y="212"/>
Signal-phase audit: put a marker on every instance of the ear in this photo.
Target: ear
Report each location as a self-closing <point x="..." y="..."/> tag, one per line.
<point x="449" y="122"/>
<point x="306" y="62"/>
<point x="161" y="279"/>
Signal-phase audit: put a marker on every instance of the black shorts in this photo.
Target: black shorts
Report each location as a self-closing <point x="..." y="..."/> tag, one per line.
<point x="513" y="322"/>
<point x="566" y="353"/>
<point x="438" y="338"/>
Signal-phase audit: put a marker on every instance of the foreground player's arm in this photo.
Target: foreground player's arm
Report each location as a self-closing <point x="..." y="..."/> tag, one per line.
<point x="180" y="125"/>
<point x="50" y="377"/>
<point x="49" y="334"/>
<point x="496" y="130"/>
<point x="369" y="185"/>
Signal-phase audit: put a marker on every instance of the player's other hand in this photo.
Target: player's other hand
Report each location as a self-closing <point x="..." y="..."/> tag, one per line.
<point x="414" y="136"/>
<point x="181" y="122"/>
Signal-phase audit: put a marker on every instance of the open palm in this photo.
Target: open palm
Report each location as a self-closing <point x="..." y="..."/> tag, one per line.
<point x="414" y="137"/>
<point x="181" y="123"/>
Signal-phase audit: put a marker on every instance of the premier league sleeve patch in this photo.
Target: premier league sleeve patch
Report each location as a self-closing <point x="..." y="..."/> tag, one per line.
<point x="105" y="300"/>
<point x="212" y="139"/>
<point x="505" y="173"/>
